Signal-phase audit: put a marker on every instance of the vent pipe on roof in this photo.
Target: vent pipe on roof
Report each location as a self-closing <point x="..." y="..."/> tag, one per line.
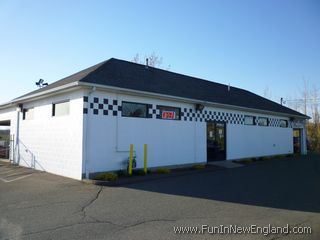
<point x="147" y="62"/>
<point x="229" y="87"/>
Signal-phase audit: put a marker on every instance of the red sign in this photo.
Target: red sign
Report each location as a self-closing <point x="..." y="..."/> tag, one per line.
<point x="168" y="115"/>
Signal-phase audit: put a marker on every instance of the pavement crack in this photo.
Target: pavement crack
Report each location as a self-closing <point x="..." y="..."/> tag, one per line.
<point x="148" y="221"/>
<point x="69" y="226"/>
<point x="84" y="208"/>
<point x="94" y="220"/>
<point x="51" y="229"/>
<point x="125" y="227"/>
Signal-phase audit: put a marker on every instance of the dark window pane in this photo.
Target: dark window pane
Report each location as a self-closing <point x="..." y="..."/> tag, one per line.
<point x="248" y="120"/>
<point x="130" y="109"/>
<point x="263" y="121"/>
<point x="283" y="123"/>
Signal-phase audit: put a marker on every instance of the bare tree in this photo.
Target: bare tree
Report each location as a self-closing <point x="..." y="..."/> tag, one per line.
<point x="267" y="93"/>
<point x="293" y="103"/>
<point x="315" y="105"/>
<point x="308" y="102"/>
<point x="305" y="95"/>
<point x="302" y="102"/>
<point x="314" y="127"/>
<point x="154" y="60"/>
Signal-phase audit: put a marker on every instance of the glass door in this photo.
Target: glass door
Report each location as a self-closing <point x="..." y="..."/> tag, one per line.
<point x="216" y="141"/>
<point x="296" y="140"/>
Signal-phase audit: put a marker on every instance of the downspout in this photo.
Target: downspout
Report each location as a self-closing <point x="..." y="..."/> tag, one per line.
<point x="195" y="141"/>
<point x="117" y="127"/>
<point x="85" y="136"/>
<point x="16" y="160"/>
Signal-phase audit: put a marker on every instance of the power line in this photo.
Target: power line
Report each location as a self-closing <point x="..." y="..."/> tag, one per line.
<point x="302" y="100"/>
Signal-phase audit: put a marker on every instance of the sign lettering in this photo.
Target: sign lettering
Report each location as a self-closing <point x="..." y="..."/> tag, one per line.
<point x="168" y="115"/>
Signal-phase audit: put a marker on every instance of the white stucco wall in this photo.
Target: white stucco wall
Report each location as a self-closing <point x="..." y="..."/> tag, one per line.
<point x="80" y="143"/>
<point x="51" y="144"/>
<point x="244" y="141"/>
<point x="171" y="142"/>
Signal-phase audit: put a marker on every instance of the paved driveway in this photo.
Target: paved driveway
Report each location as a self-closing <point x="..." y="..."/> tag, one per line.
<point x="277" y="192"/>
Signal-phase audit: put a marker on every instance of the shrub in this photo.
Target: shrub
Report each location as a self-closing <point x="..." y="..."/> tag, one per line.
<point x="246" y="161"/>
<point x="138" y="172"/>
<point x="106" y="176"/>
<point x="163" y="170"/>
<point x="198" y="166"/>
<point x="122" y="173"/>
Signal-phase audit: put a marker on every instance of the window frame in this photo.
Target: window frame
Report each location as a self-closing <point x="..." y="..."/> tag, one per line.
<point x="53" y="114"/>
<point x="172" y="107"/>
<point x="263" y="118"/>
<point x="146" y="105"/>
<point x="253" y="120"/>
<point x="286" y="121"/>
<point x="24" y="111"/>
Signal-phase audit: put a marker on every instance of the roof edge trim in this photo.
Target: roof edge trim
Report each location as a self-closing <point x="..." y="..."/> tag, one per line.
<point x="188" y="100"/>
<point x="46" y="92"/>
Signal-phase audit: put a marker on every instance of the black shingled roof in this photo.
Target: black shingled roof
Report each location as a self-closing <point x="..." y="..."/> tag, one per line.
<point x="124" y="74"/>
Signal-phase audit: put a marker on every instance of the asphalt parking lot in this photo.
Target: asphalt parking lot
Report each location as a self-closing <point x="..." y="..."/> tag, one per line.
<point x="276" y="192"/>
<point x="10" y="173"/>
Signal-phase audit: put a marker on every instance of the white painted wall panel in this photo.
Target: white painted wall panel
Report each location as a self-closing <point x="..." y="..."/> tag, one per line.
<point x="170" y="142"/>
<point x="87" y="143"/>
<point x="245" y="141"/>
<point x="53" y="144"/>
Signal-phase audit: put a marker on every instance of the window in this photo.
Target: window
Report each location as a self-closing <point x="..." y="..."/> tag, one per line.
<point x="249" y="120"/>
<point x="130" y="109"/>
<point x="283" y="123"/>
<point x="60" y="109"/>
<point x="27" y="114"/>
<point x="262" y="121"/>
<point x="169" y="113"/>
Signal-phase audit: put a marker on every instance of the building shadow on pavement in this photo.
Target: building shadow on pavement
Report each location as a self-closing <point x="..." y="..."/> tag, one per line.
<point x="292" y="184"/>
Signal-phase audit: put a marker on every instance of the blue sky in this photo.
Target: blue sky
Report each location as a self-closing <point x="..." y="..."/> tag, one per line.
<point x="250" y="44"/>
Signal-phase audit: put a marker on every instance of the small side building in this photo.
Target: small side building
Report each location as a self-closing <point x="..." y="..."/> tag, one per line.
<point x="84" y="123"/>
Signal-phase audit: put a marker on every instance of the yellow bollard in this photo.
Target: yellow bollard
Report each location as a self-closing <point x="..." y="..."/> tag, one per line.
<point x="145" y="162"/>
<point x="130" y="160"/>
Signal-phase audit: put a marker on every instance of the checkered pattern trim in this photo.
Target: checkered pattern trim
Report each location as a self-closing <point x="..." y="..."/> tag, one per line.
<point x="101" y="106"/>
<point x="189" y="114"/>
<point x="112" y="107"/>
<point x="154" y="112"/>
<point x="274" y="122"/>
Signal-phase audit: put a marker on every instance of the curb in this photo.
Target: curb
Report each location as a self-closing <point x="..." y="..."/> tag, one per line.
<point x="148" y="178"/>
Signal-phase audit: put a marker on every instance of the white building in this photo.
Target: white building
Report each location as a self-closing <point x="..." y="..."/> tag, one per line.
<point x="84" y="124"/>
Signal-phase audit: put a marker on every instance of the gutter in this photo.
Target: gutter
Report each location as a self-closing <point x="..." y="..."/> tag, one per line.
<point x="39" y="95"/>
